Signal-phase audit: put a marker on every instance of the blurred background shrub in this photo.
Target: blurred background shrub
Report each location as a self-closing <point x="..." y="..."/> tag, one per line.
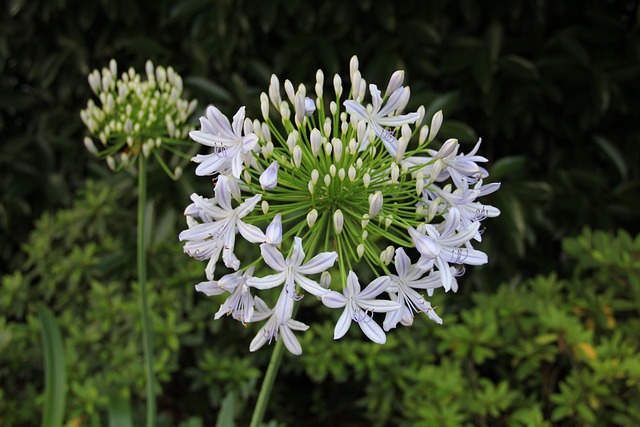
<point x="540" y="336"/>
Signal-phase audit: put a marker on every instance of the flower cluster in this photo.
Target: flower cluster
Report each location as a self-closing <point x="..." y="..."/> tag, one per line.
<point x="334" y="191"/>
<point x="136" y="116"/>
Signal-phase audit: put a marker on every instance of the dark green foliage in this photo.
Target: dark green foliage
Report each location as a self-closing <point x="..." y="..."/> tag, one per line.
<point x="78" y="262"/>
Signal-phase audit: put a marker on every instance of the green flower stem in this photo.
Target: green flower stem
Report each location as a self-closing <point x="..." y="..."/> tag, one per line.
<point x="267" y="384"/>
<point x="142" y="283"/>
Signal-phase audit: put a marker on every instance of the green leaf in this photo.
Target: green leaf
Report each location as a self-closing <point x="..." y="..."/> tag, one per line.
<point x="208" y="88"/>
<point x="508" y="167"/>
<point x="119" y="411"/>
<point x="55" y="391"/>
<point x="521" y="68"/>
<point x="225" y="417"/>
<point x="613" y="153"/>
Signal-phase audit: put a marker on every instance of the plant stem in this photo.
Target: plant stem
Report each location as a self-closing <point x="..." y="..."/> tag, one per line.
<point x="142" y="283"/>
<point x="267" y="384"/>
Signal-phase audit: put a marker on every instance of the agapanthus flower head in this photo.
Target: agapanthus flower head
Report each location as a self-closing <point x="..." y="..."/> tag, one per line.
<point x="348" y="188"/>
<point x="136" y="115"/>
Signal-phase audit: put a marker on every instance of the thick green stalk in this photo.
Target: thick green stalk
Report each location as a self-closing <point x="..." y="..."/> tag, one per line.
<point x="267" y="384"/>
<point x="142" y="283"/>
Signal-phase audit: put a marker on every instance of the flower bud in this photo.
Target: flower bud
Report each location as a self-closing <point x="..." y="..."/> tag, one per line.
<point x="365" y="220"/>
<point x="297" y="156"/>
<point x="309" y="106"/>
<point x="312" y="216"/>
<point x="274" y="230"/>
<point x="337" y="85"/>
<point x="327" y="180"/>
<point x="449" y="147"/>
<point x="366" y="179"/>
<point x="274" y="91"/>
<point x="424" y="132"/>
<point x="265" y="207"/>
<point x="314" y="176"/>
<point x="341" y="174"/>
<point x="332" y="170"/>
<point x="88" y="143"/>
<point x="375" y="204"/>
<point x="352" y="173"/>
<point x="325" y="279"/>
<point x="269" y="178"/>
<point x="337" y="149"/>
<point x="316" y="141"/>
<point x="264" y="105"/>
<point x="338" y="221"/>
<point x="360" y="250"/>
<point x="395" y="172"/>
<point x="396" y="80"/>
<point x="436" y="122"/>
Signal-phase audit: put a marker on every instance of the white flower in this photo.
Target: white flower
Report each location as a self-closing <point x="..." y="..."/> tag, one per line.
<point x="463" y="199"/>
<point x="357" y="306"/>
<point x="445" y="246"/>
<point x="376" y="116"/>
<point x="269" y="178"/>
<point x="217" y="233"/>
<point x="240" y="303"/>
<point x="230" y="148"/>
<point x="280" y="324"/>
<point x="292" y="269"/>
<point x="403" y="290"/>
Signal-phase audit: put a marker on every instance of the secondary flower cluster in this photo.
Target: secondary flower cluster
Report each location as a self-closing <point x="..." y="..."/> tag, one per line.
<point x="136" y="116"/>
<point x="335" y="192"/>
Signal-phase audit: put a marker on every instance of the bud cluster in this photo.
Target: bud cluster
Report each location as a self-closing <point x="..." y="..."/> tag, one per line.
<point x="136" y="116"/>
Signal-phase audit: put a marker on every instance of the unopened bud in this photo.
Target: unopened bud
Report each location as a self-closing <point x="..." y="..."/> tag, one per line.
<point x="312" y="216"/>
<point x="316" y="141"/>
<point x="395" y="82"/>
<point x="436" y="122"/>
<point x="297" y="156"/>
<point x="338" y="221"/>
<point x="325" y="279"/>
<point x="366" y="179"/>
<point x="265" y="207"/>
<point x="375" y="203"/>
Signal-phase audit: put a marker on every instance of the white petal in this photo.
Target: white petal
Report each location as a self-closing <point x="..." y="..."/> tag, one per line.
<point x="402" y="262"/>
<point x="343" y="324"/>
<point x="378" y="305"/>
<point x="372" y="330"/>
<point x="333" y="299"/>
<point x="427" y="247"/>
<point x="223" y="193"/>
<point x="298" y="253"/>
<point x="375" y="288"/>
<point x="356" y="109"/>
<point x="309" y="285"/>
<point x="251" y="233"/>
<point x="290" y="340"/>
<point x="248" y="206"/>
<point x="318" y="263"/>
<point x="266" y="282"/>
<point x="238" y="120"/>
<point x="210" y="288"/>
<point x="272" y="257"/>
